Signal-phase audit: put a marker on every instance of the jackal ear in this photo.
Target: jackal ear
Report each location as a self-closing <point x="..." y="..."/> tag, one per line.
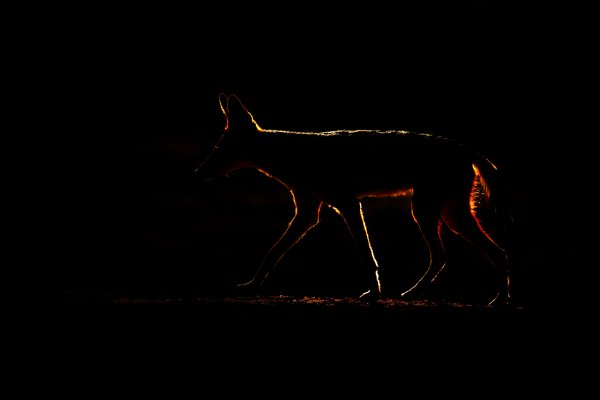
<point x="238" y="115"/>
<point x="223" y="103"/>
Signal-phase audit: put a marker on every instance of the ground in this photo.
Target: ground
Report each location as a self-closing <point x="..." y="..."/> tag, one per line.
<point x="301" y="311"/>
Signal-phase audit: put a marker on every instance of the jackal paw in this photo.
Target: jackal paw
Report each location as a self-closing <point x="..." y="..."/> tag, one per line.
<point x="370" y="296"/>
<point x="413" y="294"/>
<point x="247" y="288"/>
<point x="500" y="300"/>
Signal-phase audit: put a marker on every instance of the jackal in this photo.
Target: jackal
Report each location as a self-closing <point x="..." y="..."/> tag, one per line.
<point x="447" y="185"/>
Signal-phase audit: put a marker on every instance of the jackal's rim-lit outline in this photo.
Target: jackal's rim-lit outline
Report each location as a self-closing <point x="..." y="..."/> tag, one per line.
<point x="447" y="184"/>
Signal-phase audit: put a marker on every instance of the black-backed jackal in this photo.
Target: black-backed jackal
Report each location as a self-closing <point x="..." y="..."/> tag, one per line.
<point x="448" y="185"/>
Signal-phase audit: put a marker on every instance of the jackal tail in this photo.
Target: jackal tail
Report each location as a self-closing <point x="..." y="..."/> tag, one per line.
<point x="489" y="201"/>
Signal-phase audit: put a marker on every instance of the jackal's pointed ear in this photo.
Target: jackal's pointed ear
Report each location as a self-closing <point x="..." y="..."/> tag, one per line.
<point x="223" y="103"/>
<point x="238" y="115"/>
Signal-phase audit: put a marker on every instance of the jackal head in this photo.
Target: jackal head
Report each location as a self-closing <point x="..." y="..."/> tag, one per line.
<point x="234" y="149"/>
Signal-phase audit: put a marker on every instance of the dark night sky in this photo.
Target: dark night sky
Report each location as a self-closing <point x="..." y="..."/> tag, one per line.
<point x="140" y="91"/>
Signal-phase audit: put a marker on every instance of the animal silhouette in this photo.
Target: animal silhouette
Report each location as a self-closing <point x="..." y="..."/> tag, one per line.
<point x="445" y="182"/>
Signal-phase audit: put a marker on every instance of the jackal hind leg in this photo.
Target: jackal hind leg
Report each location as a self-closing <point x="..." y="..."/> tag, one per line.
<point x="463" y="221"/>
<point x="355" y="220"/>
<point x="426" y="215"/>
<point x="306" y="217"/>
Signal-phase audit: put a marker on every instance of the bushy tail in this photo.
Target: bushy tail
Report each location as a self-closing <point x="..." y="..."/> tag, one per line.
<point x="489" y="200"/>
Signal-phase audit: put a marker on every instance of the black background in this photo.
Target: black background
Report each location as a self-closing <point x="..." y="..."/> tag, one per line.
<point x="137" y="102"/>
<point x="132" y="99"/>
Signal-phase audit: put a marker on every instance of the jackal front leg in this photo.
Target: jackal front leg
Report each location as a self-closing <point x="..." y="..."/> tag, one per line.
<point x="355" y="219"/>
<point x="306" y="216"/>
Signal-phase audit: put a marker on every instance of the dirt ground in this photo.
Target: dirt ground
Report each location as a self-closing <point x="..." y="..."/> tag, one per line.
<point x="261" y="313"/>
